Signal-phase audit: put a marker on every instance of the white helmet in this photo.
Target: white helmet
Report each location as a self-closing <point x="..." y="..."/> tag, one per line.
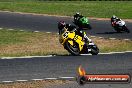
<point x="77" y="13"/>
<point x="114" y="17"/>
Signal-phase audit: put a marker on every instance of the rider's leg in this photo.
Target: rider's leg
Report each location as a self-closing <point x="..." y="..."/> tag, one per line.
<point x="85" y="37"/>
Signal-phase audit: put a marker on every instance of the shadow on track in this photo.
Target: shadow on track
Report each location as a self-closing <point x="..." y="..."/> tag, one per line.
<point x="65" y="55"/>
<point x="110" y="33"/>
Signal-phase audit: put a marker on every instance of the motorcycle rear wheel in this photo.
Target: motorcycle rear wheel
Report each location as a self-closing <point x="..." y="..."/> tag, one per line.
<point x="126" y="29"/>
<point x="94" y="50"/>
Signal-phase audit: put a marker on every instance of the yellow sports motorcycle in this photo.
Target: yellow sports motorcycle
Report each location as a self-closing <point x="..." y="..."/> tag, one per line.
<point x="75" y="44"/>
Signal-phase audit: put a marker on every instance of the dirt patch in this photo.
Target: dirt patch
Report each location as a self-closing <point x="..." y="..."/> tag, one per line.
<point x="34" y="84"/>
<point x="41" y="43"/>
<point x="37" y="44"/>
<point x="110" y="45"/>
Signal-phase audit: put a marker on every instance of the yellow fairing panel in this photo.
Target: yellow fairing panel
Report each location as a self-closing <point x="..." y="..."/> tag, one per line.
<point x="78" y="39"/>
<point x="71" y="35"/>
<point x="71" y="42"/>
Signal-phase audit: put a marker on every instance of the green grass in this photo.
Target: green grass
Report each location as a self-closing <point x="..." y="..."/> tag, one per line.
<point x="107" y="45"/>
<point x="26" y="43"/>
<point x="105" y="9"/>
<point x="8" y="37"/>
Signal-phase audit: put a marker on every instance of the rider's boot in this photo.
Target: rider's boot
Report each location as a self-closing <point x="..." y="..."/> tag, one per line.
<point x="88" y="42"/>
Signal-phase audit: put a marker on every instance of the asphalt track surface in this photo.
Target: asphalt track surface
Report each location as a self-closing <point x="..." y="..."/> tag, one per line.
<point x="49" y="24"/>
<point x="57" y="66"/>
<point x="65" y="66"/>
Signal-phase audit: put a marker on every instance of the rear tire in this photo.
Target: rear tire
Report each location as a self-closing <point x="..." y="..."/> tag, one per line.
<point x="94" y="50"/>
<point x="126" y="29"/>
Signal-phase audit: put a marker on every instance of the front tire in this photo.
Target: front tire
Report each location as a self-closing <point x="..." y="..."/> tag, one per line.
<point x="74" y="50"/>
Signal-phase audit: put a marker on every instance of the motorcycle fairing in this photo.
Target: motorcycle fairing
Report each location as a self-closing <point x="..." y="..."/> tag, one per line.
<point x="78" y="39"/>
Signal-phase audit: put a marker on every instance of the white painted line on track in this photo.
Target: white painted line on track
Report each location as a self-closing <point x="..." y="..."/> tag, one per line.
<point x="67" y="77"/>
<point x="21" y="30"/>
<point x="112" y="38"/>
<point x="101" y="37"/>
<point x="7" y="81"/>
<point x="128" y="51"/>
<point x="58" y="78"/>
<point x="10" y="29"/>
<point x="108" y="38"/>
<point x="56" y="55"/>
<point x="108" y="53"/>
<point x="103" y="53"/>
<point x="50" y="78"/>
<point x="13" y="57"/>
<point x="48" y="32"/>
<point x="86" y="54"/>
<point x="126" y="39"/>
<point x="21" y="80"/>
<point x="36" y="31"/>
<point x="37" y="79"/>
<point x="116" y="52"/>
<point x="25" y="57"/>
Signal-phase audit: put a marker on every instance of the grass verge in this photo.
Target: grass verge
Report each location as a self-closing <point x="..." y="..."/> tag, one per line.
<point x="104" y="9"/>
<point x="25" y="43"/>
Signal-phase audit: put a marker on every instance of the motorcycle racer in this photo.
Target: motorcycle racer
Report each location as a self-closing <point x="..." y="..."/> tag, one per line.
<point x="83" y="24"/>
<point x="81" y="21"/>
<point x="74" y="42"/>
<point x="62" y="24"/>
<point x="115" y="21"/>
<point x="118" y="24"/>
<point x="70" y="27"/>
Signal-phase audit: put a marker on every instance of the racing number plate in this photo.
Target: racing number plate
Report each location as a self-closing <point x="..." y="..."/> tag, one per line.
<point x="65" y="35"/>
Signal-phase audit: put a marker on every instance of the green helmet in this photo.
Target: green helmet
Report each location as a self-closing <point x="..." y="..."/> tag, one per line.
<point x="84" y="20"/>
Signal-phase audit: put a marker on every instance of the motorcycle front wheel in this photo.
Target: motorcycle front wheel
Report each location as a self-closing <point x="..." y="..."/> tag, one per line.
<point x="73" y="49"/>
